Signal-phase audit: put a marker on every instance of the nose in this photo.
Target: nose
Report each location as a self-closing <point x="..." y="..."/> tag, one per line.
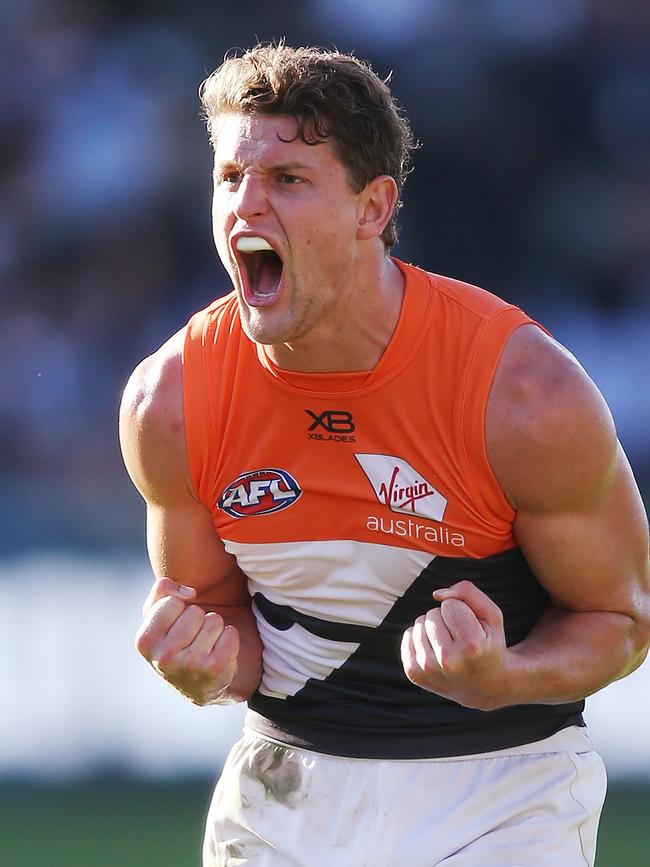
<point x="250" y="198"/>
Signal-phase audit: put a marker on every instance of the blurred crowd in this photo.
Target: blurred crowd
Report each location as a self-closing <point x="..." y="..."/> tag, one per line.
<point x="532" y="180"/>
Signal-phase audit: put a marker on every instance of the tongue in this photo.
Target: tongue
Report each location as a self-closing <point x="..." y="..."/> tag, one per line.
<point x="266" y="277"/>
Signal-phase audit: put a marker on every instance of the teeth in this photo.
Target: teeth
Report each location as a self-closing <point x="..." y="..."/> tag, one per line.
<point x="248" y="244"/>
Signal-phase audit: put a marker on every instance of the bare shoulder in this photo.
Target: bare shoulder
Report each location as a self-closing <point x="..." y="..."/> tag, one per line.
<point x="152" y="429"/>
<point x="550" y="435"/>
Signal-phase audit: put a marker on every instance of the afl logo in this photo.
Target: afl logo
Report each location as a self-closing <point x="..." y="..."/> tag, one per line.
<point x="259" y="492"/>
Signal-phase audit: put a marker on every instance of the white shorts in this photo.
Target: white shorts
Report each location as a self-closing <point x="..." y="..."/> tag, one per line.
<point x="531" y="806"/>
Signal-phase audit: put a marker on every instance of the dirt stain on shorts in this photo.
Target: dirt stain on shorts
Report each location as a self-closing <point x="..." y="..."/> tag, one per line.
<point x="234" y="851"/>
<point x="280" y="771"/>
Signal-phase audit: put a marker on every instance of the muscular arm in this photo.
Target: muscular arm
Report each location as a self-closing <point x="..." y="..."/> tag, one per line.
<point x="205" y="644"/>
<point x="580" y="524"/>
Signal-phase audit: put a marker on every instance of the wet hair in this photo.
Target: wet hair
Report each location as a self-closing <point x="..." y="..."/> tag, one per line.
<point x="331" y="96"/>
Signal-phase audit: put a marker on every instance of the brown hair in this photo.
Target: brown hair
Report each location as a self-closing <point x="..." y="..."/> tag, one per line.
<point x="330" y="95"/>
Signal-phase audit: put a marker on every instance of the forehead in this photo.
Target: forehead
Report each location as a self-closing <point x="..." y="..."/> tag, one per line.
<point x="259" y="139"/>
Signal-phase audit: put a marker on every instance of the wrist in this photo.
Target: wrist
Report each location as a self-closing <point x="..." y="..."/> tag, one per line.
<point x="512" y="685"/>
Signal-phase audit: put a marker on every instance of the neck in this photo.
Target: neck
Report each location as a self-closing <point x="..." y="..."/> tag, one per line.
<point x="357" y="337"/>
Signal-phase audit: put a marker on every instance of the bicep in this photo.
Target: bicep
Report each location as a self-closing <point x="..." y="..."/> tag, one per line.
<point x="552" y="445"/>
<point x="590" y="553"/>
<point x="181" y="539"/>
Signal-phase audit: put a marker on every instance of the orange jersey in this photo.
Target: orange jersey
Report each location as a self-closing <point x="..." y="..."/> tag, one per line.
<point x="347" y="499"/>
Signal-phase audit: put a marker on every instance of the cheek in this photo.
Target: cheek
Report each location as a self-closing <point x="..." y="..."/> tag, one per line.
<point x="330" y="236"/>
<point x="221" y="208"/>
<point x="219" y="237"/>
<point x="340" y="227"/>
<point x="220" y="230"/>
<point x="219" y="217"/>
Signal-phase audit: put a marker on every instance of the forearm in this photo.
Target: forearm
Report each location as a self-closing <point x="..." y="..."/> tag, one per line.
<point x="571" y="654"/>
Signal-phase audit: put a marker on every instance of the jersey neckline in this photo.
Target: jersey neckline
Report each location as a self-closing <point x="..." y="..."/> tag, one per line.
<point x="417" y="303"/>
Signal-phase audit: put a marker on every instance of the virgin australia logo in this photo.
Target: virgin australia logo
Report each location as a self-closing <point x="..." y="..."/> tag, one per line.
<point x="400" y="487"/>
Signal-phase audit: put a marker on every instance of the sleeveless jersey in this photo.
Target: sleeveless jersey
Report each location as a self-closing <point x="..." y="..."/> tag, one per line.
<point x="347" y="499"/>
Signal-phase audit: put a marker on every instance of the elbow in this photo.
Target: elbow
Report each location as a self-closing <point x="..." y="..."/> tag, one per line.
<point x="639" y="637"/>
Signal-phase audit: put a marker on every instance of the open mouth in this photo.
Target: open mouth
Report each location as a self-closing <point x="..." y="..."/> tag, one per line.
<point x="261" y="270"/>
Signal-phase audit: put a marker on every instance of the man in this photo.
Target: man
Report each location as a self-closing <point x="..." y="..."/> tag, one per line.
<point x="383" y="506"/>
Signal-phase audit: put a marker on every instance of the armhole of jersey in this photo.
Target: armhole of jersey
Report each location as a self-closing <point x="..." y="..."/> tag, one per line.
<point x="196" y="404"/>
<point x="481" y="368"/>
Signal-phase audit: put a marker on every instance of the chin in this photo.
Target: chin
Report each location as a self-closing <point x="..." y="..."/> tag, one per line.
<point x="259" y="329"/>
<point x="273" y="324"/>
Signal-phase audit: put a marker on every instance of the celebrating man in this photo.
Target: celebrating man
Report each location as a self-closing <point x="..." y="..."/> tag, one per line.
<point x="384" y="507"/>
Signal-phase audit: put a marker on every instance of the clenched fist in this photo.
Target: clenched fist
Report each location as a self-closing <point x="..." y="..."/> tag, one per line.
<point x="193" y="650"/>
<point x="458" y="650"/>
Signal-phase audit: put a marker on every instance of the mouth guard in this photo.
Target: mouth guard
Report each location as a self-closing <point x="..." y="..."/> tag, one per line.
<point x="248" y="244"/>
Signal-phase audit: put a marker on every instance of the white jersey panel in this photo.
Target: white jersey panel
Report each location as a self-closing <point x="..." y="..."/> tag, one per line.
<point x="294" y="655"/>
<point x="341" y="581"/>
<point x="325" y="585"/>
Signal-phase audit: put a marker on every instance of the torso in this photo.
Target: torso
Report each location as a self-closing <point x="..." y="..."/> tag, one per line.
<point x="347" y="499"/>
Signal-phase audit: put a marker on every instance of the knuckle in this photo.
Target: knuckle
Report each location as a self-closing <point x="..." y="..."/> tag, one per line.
<point x="170" y="605"/>
<point x="232" y="636"/>
<point x="142" y="644"/>
<point x="157" y="591"/>
<point x="193" y="661"/>
<point x="449" y="662"/>
<point x="473" y="648"/>
<point x="214" y="620"/>
<point x="219" y="670"/>
<point x="173" y="602"/>
<point x="166" y="659"/>
<point x="164" y="586"/>
<point x="423" y="667"/>
<point x="219" y="655"/>
<point x="430" y="665"/>
<point x="420" y="631"/>
<point x="142" y="640"/>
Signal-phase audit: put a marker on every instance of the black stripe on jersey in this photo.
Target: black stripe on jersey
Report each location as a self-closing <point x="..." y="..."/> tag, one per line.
<point x="283" y="617"/>
<point x="368" y="708"/>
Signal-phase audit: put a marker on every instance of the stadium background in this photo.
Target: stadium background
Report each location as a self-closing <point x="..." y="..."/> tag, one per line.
<point x="533" y="180"/>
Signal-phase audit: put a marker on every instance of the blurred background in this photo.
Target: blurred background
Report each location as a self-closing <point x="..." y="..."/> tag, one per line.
<point x="533" y="180"/>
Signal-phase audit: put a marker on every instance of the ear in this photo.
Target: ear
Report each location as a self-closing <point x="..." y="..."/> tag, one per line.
<point x="376" y="205"/>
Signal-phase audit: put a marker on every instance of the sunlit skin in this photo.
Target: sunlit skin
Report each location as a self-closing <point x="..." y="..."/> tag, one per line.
<point x="340" y="295"/>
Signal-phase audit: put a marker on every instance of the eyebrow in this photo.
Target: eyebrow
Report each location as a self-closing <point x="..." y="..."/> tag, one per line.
<point x="277" y="168"/>
<point x="286" y="167"/>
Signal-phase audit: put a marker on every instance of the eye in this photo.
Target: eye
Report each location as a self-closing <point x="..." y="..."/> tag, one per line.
<point x="232" y="178"/>
<point x="289" y="179"/>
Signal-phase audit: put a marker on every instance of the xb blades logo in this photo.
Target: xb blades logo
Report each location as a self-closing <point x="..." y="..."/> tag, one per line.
<point x="332" y="420"/>
<point x="336" y="423"/>
<point x="260" y="492"/>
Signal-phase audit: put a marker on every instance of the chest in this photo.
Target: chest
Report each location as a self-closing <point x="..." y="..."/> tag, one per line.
<point x="384" y="468"/>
